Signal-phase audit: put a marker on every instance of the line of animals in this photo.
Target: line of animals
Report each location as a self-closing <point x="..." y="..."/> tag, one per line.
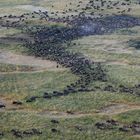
<point x="48" y="44"/>
<point x="30" y="132"/>
<point x="95" y="6"/>
<point x="110" y="124"/>
<point x="78" y="64"/>
<point x="133" y="128"/>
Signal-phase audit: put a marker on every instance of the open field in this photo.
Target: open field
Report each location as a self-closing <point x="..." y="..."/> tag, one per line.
<point x="69" y="70"/>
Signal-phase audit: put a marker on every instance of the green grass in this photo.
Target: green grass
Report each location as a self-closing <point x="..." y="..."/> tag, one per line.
<point x="121" y="61"/>
<point x="124" y="75"/>
<point x="12" y="68"/>
<point x="14" y="2"/>
<point x="84" y="102"/>
<point x="14" y="48"/>
<point x="66" y="127"/>
<point x="34" y="84"/>
<point x="127" y="116"/>
<point x="18" y="86"/>
<point x="110" y="48"/>
<point x="107" y="48"/>
<point x="7" y="10"/>
<point x="4" y="32"/>
<point x="6" y="45"/>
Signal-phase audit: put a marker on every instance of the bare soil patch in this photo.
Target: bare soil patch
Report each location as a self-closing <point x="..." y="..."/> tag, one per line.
<point x="56" y="114"/>
<point x="117" y="108"/>
<point x="38" y="63"/>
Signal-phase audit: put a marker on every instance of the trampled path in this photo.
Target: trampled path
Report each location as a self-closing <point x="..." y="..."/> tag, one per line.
<point x="59" y="115"/>
<point x="15" y="59"/>
<point x="71" y="60"/>
<point x="113" y="110"/>
<point x="110" y="110"/>
<point x="117" y="108"/>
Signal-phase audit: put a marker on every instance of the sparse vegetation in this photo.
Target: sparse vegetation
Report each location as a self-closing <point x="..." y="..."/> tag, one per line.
<point x="12" y="68"/>
<point x="92" y="91"/>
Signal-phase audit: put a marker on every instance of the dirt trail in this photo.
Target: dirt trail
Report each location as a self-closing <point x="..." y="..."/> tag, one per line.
<point x="46" y="113"/>
<point x="9" y="105"/>
<point x="112" y="109"/>
<point x="117" y="109"/>
<point x="56" y="114"/>
<point x="38" y="63"/>
<point x="36" y="70"/>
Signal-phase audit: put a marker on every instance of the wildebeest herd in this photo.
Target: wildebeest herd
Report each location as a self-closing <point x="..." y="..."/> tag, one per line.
<point x="109" y="124"/>
<point x="31" y="132"/>
<point x="49" y="44"/>
<point x="95" y="6"/>
<point x="134" y="127"/>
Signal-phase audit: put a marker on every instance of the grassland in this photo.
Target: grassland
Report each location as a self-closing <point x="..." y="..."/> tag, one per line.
<point x="120" y="58"/>
<point x="87" y="124"/>
<point x="18" y="82"/>
<point x="13" y="68"/>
